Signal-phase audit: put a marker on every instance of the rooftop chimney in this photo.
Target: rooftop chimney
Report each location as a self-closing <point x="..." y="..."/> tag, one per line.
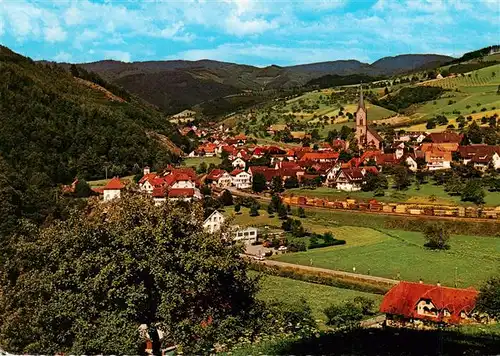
<point x="147" y="170"/>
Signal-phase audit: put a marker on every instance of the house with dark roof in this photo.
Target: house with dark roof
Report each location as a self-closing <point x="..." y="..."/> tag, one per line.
<point x="444" y="137"/>
<point x="410" y="302"/>
<point x="351" y="179"/>
<point x="481" y="156"/>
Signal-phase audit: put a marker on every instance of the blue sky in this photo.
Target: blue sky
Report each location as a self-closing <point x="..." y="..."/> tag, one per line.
<point x="246" y="31"/>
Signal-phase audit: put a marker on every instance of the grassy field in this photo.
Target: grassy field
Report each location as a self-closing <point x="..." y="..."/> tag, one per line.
<point x="196" y="161"/>
<point x="427" y="194"/>
<point x="401" y="255"/>
<point x="317" y="296"/>
<point x="468" y="94"/>
<point x="103" y="182"/>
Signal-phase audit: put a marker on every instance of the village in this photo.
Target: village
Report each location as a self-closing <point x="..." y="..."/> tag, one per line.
<point x="260" y="172"/>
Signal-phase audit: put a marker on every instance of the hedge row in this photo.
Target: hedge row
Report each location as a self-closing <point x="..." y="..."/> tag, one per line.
<point x="323" y="278"/>
<point x="326" y="244"/>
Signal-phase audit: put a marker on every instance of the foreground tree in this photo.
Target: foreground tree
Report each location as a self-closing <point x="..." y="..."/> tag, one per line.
<point x="489" y="298"/>
<point x="473" y="191"/>
<point x="437" y="236"/>
<point x="97" y="276"/>
<point x="258" y="182"/>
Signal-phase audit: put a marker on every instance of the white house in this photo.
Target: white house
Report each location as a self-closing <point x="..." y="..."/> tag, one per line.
<point x="220" y="178"/>
<point x="112" y="190"/>
<point x="214" y="222"/>
<point x="239" y="163"/>
<point x="331" y="175"/>
<point x="350" y="179"/>
<point x="241" y="179"/>
<point x="246" y="235"/>
<point x="412" y="163"/>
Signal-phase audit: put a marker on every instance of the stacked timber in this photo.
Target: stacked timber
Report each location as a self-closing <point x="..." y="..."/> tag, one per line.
<point x="400" y="209"/>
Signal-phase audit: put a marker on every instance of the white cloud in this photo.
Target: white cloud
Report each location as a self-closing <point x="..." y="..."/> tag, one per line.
<point x="54" y="34"/>
<point x="117" y="55"/>
<point x="62" y="57"/>
<point x="176" y="32"/>
<point x="87" y="35"/>
<point x="269" y="54"/>
<point x="73" y="16"/>
<point x="239" y="27"/>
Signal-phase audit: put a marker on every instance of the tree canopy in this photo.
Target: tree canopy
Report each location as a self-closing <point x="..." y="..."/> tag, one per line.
<point x="98" y="276"/>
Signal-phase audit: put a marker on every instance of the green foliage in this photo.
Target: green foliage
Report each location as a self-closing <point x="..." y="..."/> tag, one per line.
<point x="226" y="198"/>
<point x="488" y="300"/>
<point x="375" y="182"/>
<point x="95" y="78"/>
<point x="437" y="236"/>
<point x="98" y="276"/>
<point x="410" y="95"/>
<point x="291" y="182"/>
<point x="254" y="210"/>
<point x="347" y="315"/>
<point x="270" y="209"/>
<point x="258" y="182"/>
<point x="332" y="80"/>
<point x="302" y="212"/>
<point x="82" y="189"/>
<point x="473" y="191"/>
<point x="54" y="129"/>
<point x="277" y="184"/>
<point x="402" y="177"/>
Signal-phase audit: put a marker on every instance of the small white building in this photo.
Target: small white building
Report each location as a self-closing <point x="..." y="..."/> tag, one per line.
<point x="246" y="235"/>
<point x="214" y="222"/>
<point x="239" y="163"/>
<point x="241" y="179"/>
<point x="113" y="189"/>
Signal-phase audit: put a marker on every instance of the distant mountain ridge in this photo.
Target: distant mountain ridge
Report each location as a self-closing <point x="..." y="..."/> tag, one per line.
<point x="178" y="84"/>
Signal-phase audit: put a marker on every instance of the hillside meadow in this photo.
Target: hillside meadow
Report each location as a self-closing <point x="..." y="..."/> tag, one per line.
<point x="317" y="296"/>
<point x="470" y="261"/>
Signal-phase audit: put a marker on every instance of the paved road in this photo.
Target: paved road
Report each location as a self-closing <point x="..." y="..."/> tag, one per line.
<point x="360" y="277"/>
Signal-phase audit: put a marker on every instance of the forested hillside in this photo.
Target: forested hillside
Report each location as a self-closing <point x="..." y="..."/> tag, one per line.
<point x="53" y="129"/>
<point x="177" y="85"/>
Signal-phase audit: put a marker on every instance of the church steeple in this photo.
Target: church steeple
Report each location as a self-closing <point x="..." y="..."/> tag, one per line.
<point x="361" y="104"/>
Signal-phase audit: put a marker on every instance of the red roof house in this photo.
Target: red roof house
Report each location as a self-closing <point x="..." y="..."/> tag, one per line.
<point x="114" y="184"/>
<point x="433" y="303"/>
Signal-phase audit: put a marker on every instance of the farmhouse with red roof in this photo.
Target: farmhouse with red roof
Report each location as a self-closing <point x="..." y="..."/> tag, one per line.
<point x="113" y="189"/>
<point x="410" y="302"/>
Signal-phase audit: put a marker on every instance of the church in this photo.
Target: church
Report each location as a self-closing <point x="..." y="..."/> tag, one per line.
<point x="366" y="136"/>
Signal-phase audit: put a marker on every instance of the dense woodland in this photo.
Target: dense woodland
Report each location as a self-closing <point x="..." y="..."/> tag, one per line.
<point x="332" y="80"/>
<point x="409" y="96"/>
<point x="54" y="129"/>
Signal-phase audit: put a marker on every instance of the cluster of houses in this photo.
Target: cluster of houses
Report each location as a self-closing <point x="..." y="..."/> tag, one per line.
<point x="416" y="150"/>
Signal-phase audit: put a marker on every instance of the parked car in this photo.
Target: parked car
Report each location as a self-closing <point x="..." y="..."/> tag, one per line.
<point x="259" y="258"/>
<point x="282" y="248"/>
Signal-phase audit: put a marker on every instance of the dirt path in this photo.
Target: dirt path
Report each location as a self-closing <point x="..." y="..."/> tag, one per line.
<point x="355" y="276"/>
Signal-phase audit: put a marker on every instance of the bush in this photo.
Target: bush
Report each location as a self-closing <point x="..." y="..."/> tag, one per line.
<point x="326" y="244"/>
<point x="347" y="315"/>
<point x="366" y="305"/>
<point x="437" y="236"/>
<point x="297" y="246"/>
